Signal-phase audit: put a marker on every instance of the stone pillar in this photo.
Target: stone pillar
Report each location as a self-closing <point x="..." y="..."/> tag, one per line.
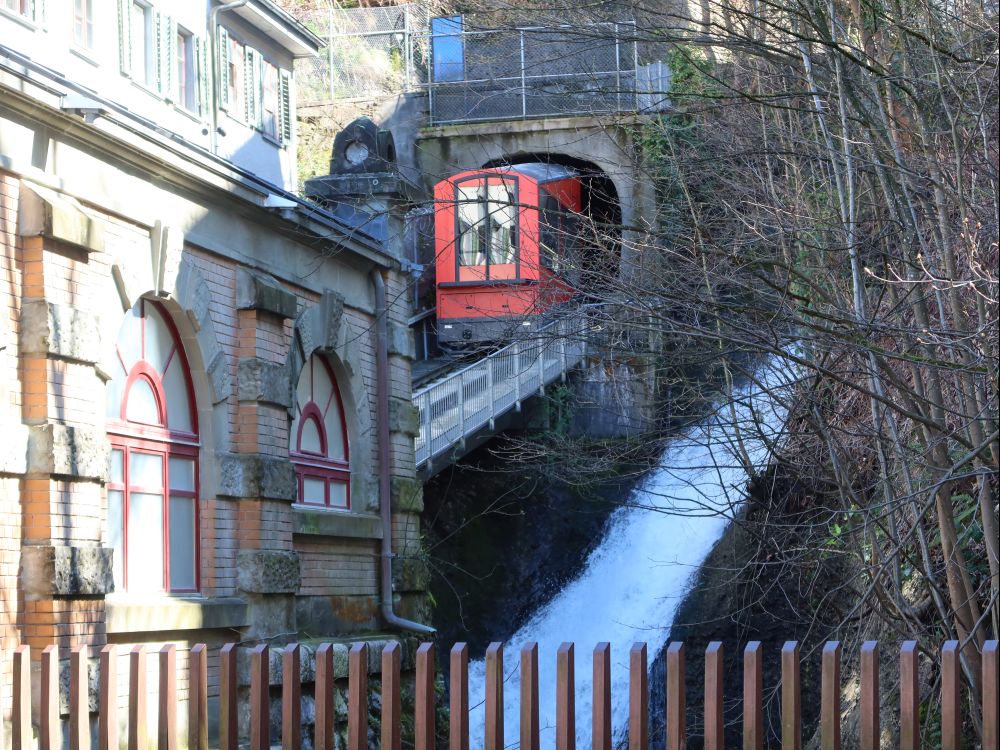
<point x="65" y="569"/>
<point x="258" y="475"/>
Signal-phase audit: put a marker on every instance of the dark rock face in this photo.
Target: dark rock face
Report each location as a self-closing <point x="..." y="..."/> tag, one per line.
<point x="502" y="541"/>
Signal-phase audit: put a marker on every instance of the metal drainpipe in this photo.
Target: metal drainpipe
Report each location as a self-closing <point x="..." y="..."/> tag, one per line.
<point x="384" y="484"/>
<point x="213" y="45"/>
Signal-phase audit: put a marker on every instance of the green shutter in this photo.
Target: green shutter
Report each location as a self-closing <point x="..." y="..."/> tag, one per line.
<point x="285" y="106"/>
<point x="223" y="37"/>
<point x="251" y="73"/>
<point x="201" y="63"/>
<point x="166" y="54"/>
<point x="125" y="36"/>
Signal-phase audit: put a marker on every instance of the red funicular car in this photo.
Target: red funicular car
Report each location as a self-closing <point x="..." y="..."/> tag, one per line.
<point x="504" y="242"/>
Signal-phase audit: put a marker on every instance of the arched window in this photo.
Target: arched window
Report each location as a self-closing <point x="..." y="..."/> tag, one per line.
<point x="153" y="487"/>
<point x="318" y="440"/>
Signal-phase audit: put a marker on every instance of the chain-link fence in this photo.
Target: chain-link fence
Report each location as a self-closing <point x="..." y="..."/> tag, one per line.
<point x="516" y="73"/>
<point x="370" y="53"/>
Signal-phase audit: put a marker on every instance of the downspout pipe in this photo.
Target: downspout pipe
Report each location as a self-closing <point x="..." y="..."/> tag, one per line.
<point x="384" y="454"/>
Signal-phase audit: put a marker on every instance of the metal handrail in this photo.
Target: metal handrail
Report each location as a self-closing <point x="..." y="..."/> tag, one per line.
<point x="466" y="400"/>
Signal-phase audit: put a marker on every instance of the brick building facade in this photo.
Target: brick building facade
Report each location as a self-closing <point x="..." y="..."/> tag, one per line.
<point x="190" y="401"/>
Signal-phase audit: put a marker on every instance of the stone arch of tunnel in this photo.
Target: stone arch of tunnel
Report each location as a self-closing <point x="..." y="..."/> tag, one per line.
<point x="601" y="204"/>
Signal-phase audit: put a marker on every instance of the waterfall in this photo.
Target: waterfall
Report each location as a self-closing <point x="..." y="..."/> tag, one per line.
<point x="632" y="583"/>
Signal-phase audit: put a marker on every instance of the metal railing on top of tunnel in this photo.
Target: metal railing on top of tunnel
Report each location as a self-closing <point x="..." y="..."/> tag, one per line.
<point x="463" y="402"/>
<point x="481" y="75"/>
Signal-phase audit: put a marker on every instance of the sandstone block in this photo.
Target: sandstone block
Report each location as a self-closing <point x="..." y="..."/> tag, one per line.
<point x="68" y="451"/>
<point x="62" y="570"/>
<point x="47" y="213"/>
<point x="262" y="381"/>
<point x="268" y="571"/>
<point x="256" y="476"/>
<point x="60" y="331"/>
<point x="257" y="291"/>
<point x="407" y="495"/>
<point x="403" y="417"/>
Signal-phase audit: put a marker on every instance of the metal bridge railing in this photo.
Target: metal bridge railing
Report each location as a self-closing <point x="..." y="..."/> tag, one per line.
<point x="462" y="403"/>
<point x="518" y="73"/>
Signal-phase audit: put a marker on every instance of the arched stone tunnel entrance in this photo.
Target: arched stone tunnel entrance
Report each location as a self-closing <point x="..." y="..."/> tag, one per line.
<point x="605" y="148"/>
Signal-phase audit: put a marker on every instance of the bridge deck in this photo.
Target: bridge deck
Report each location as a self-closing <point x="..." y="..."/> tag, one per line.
<point x="465" y="401"/>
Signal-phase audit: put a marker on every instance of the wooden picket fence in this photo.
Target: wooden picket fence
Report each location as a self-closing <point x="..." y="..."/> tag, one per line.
<point x="166" y="736"/>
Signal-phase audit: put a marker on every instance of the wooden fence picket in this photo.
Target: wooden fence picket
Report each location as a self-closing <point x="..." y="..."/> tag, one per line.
<point x="357" y="697"/>
<point x="530" y="737"/>
<point x="260" y="698"/>
<point x="602" y="697"/>
<point x="494" y="697"/>
<point x="755" y="731"/>
<point x="291" y="698"/>
<point x="676" y="708"/>
<point x="391" y="700"/>
<point x="638" y="698"/>
<point x="791" y="697"/>
<point x="753" y="696"/>
<point x="137" y="739"/>
<point x="166" y="725"/>
<point x="951" y="696"/>
<point x="323" y="728"/>
<point x="198" y="697"/>
<point x="79" y="699"/>
<point x="458" y="722"/>
<point x="565" y="698"/>
<point x="21" y="711"/>
<point x="870" y="726"/>
<point x="909" y="696"/>
<point x="107" y="720"/>
<point x="991" y="721"/>
<point x="830" y="697"/>
<point x="715" y="737"/>
<point x="228" y="708"/>
<point x="424" y="703"/>
<point x="49" y="732"/>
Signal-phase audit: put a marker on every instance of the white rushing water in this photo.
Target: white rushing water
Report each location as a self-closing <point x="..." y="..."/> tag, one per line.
<point x="632" y="583"/>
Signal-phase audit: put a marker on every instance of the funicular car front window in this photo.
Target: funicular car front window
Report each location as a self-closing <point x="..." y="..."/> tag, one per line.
<point x="487" y="223"/>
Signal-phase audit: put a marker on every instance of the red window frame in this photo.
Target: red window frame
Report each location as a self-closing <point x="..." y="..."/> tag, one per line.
<point x="319" y="466"/>
<point x="135" y="437"/>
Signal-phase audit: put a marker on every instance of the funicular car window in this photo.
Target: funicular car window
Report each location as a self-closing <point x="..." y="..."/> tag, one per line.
<point x="486" y="214"/>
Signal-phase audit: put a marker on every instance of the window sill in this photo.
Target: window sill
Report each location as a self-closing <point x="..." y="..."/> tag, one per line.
<point x="18" y="18"/>
<point x="146" y="89"/>
<point x="149" y="614"/>
<point x="191" y="114"/>
<point x="85" y="55"/>
<point x="332" y="522"/>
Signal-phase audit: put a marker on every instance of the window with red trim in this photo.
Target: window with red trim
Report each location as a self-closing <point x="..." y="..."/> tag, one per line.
<point x="153" y="485"/>
<point x="318" y="440"/>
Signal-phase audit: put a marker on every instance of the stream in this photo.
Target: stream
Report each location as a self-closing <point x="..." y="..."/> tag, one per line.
<point x="633" y="580"/>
